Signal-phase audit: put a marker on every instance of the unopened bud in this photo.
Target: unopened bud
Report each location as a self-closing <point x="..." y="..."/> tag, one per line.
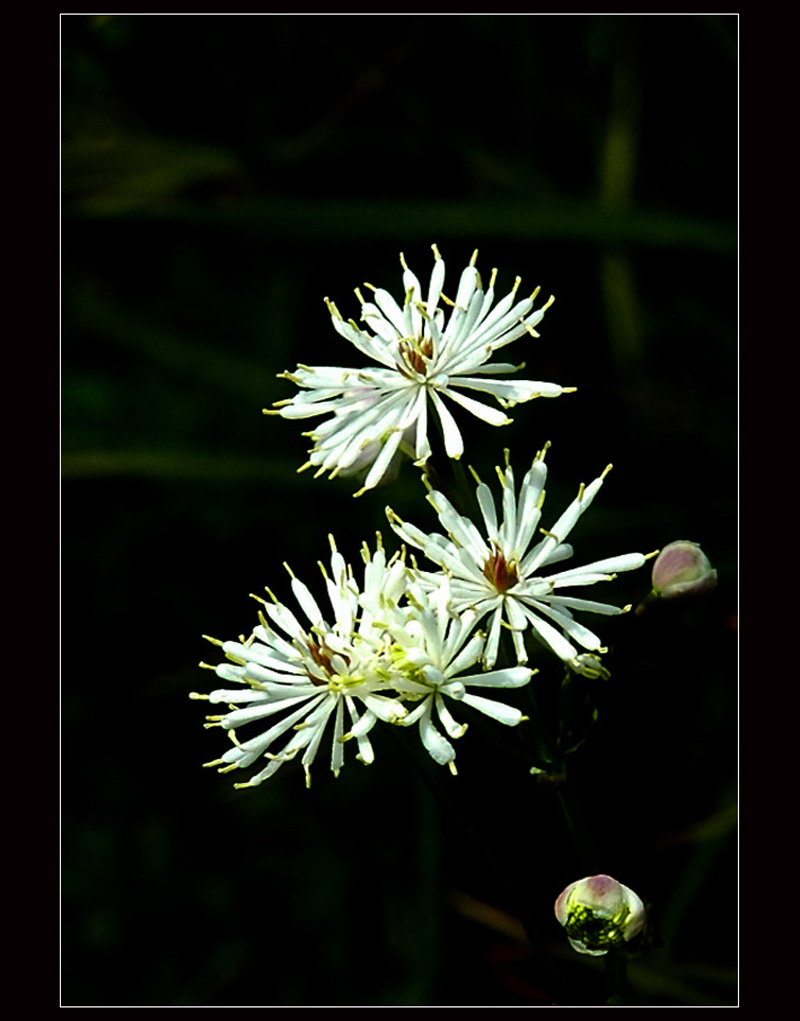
<point x="588" y="665"/>
<point x="599" y="914"/>
<point x="682" y="568"/>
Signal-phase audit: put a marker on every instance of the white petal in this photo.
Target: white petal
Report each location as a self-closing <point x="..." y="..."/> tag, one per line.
<point x="307" y="602"/>
<point x="625" y="562"/>
<point x="337" y="748"/>
<point x="435" y="288"/>
<point x="585" y="604"/>
<point x="496" y="710"/>
<point x="514" y="391"/>
<point x="391" y="310"/>
<point x="437" y="746"/>
<point x="453" y="729"/>
<point x="381" y="465"/>
<point x="550" y="636"/>
<point x="510" y="677"/>
<point x="493" y="642"/>
<point x="453" y="443"/>
<point x="529" y="510"/>
<point x="494" y="416"/>
<point x="486" y="503"/>
<point x="576" y="631"/>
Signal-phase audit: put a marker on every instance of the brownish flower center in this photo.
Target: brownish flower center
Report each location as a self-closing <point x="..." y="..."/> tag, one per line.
<point x="321" y="655"/>
<point x="500" y="573"/>
<point x="416" y="353"/>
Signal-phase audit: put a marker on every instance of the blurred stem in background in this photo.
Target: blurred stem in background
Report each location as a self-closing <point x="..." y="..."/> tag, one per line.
<point x="617" y="166"/>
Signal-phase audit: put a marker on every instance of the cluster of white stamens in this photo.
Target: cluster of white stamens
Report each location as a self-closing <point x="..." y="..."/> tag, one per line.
<point x="423" y="355"/>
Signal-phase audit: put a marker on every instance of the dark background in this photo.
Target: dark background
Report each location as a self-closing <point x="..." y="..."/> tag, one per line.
<point x="221" y="175"/>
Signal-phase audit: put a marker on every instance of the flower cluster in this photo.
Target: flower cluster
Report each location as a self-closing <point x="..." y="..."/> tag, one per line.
<point x="405" y="642"/>
<point x="386" y="650"/>
<point x="403" y="646"/>
<point x="418" y="646"/>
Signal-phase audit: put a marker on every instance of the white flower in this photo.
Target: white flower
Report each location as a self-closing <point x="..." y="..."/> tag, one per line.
<point x="305" y="673"/>
<point x="423" y="355"/>
<point x="432" y="649"/>
<point x="498" y="574"/>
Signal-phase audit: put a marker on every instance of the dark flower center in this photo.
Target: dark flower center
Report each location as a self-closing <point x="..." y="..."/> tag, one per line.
<point x="321" y="655"/>
<point x="501" y="574"/>
<point x="416" y="353"/>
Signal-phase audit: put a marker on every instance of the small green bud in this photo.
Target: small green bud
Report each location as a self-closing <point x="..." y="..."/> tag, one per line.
<point x="588" y="665"/>
<point x="682" y="568"/>
<point x="598" y="914"/>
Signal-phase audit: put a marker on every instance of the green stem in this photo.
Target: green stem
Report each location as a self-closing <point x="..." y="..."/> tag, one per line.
<point x="615" y="961"/>
<point x="546" y="746"/>
<point x="616" y="967"/>
<point x="435" y="786"/>
<point x="577" y="827"/>
<point x="564" y="714"/>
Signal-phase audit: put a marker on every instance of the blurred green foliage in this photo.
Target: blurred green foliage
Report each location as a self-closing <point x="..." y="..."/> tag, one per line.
<point x="221" y="176"/>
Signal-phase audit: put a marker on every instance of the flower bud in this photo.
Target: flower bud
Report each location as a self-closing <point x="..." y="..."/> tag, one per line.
<point x="598" y="914"/>
<point x="682" y="568"/>
<point x="589" y="665"/>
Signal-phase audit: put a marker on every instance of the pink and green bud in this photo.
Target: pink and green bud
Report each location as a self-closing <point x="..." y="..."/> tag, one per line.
<point x="599" y="914"/>
<point x="682" y="568"/>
